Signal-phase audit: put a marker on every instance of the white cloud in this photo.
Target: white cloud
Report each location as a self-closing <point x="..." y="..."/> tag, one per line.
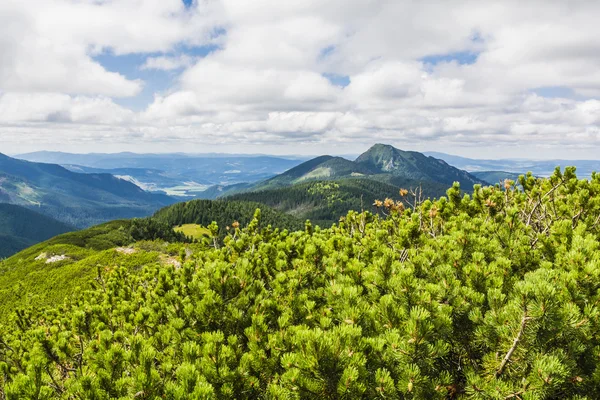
<point x="57" y="107"/>
<point x="50" y="46"/>
<point x="265" y="83"/>
<point x="165" y="63"/>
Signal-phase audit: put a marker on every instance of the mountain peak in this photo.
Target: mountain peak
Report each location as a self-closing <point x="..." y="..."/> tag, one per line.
<point x="384" y="157"/>
<point x="414" y="165"/>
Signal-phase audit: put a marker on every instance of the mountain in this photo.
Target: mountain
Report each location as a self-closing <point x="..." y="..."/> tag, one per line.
<point x="381" y="162"/>
<point x="21" y="228"/>
<point x="519" y="166"/>
<point x="176" y="174"/>
<point x="414" y="165"/>
<point x="73" y="198"/>
<point x="319" y="168"/>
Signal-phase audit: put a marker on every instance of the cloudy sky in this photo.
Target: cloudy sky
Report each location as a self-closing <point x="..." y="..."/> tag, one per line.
<point x="475" y="78"/>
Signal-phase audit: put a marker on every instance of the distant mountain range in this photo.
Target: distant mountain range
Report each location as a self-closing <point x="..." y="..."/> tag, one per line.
<point x="176" y="174"/>
<point x="326" y="187"/>
<point x="76" y="199"/>
<point x="21" y="228"/>
<point x="95" y="188"/>
<point x="537" y="167"/>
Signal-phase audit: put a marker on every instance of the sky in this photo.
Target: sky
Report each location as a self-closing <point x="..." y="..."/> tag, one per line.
<point x="482" y="79"/>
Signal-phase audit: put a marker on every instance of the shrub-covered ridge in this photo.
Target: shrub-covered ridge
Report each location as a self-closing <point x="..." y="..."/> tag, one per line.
<point x="489" y="296"/>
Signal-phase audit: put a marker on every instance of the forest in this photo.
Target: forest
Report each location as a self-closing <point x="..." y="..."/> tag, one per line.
<point x="492" y="294"/>
<point x="323" y="202"/>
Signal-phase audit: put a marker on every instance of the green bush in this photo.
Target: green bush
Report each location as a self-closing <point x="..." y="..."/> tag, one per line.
<point x="489" y="296"/>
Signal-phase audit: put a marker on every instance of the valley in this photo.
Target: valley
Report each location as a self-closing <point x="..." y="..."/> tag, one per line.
<point x="104" y="187"/>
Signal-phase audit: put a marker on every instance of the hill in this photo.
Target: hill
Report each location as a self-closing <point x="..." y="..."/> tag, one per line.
<point x="21" y="228"/>
<point x="218" y="191"/>
<point x="482" y="296"/>
<point x="73" y="198"/>
<point x="381" y="162"/>
<point x="224" y="213"/>
<point x="319" y="168"/>
<point x="46" y="272"/>
<point x="324" y="202"/>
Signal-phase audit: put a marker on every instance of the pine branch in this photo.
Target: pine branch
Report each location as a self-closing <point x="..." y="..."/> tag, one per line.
<point x="6" y="345"/>
<point x="514" y="346"/>
<point x="54" y="385"/>
<point x="516" y="395"/>
<point x="596" y="222"/>
<point x="541" y="200"/>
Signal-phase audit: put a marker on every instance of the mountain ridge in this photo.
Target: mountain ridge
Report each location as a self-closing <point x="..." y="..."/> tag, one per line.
<point x="76" y="199"/>
<point x="380" y="162"/>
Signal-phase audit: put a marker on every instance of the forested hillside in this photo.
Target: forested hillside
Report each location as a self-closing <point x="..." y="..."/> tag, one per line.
<point x="21" y="228"/>
<point x="493" y="295"/>
<point x="76" y="199"/>
<point x="324" y="202"/>
<point x="224" y="213"/>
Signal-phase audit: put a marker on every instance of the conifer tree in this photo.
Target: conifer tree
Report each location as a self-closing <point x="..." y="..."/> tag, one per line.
<point x="492" y="295"/>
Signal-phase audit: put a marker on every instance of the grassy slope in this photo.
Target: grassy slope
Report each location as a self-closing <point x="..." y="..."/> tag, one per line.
<point x="193" y="230"/>
<point x="27" y="277"/>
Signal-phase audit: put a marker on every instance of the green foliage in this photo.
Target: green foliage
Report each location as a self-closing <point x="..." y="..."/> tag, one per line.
<point x="224" y="213"/>
<point x="44" y="274"/>
<point x="324" y="202"/>
<point x="493" y="295"/>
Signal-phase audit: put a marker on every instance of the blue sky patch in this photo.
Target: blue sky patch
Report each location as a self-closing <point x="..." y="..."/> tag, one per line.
<point x="155" y="81"/>
<point x="338" y="80"/>
<point x="461" y="57"/>
<point x="325" y="52"/>
<point x="556" y="92"/>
